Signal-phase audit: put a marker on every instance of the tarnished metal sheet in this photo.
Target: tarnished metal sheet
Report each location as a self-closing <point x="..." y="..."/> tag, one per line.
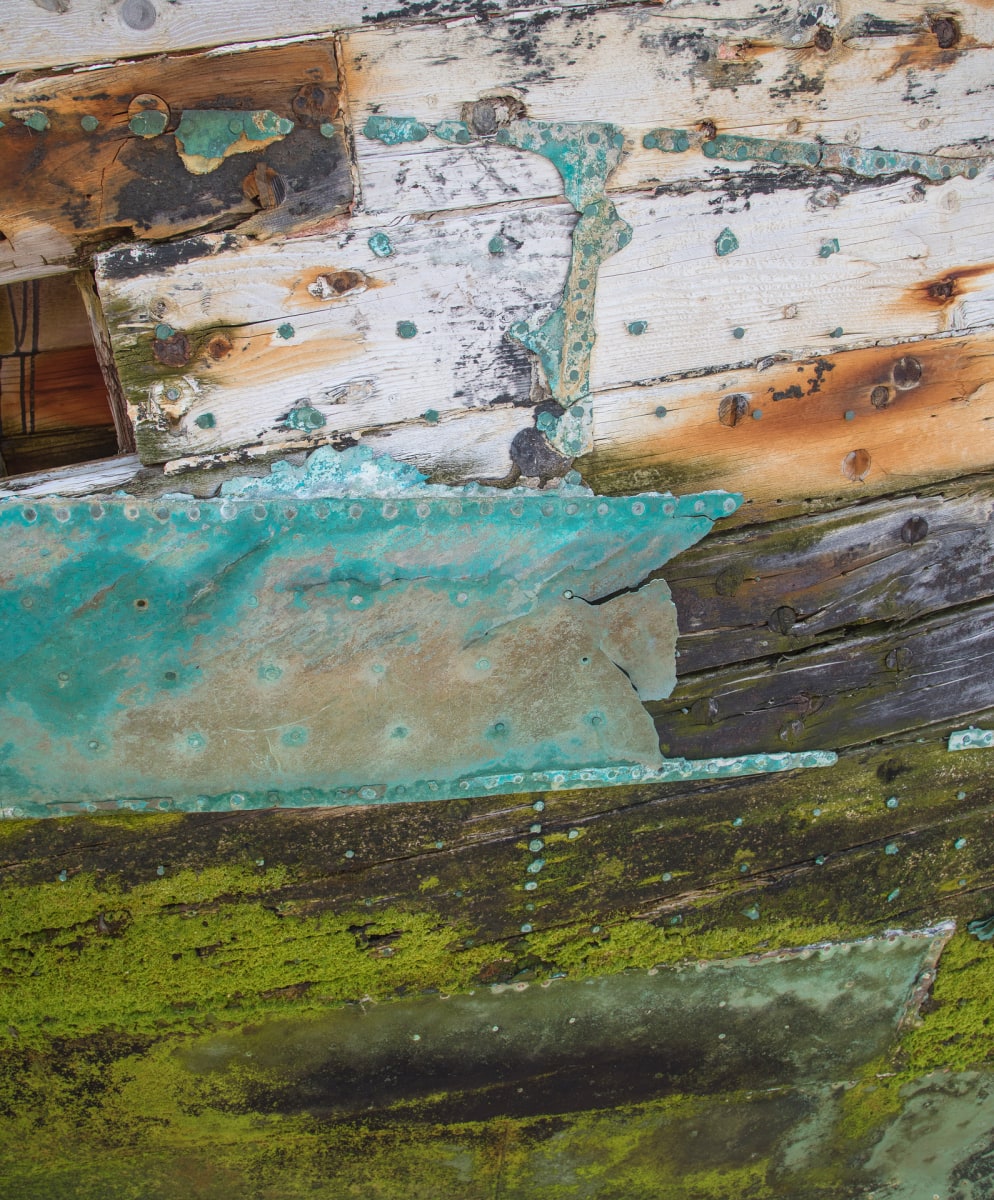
<point x="788" y="1018"/>
<point x="337" y="633"/>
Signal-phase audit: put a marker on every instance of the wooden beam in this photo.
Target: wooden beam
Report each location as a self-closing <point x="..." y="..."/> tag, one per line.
<point x="92" y="155"/>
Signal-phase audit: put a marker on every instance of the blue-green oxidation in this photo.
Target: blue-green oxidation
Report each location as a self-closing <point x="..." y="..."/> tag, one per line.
<point x="149" y="123"/>
<point x="305" y="418"/>
<point x="34" y="118"/>
<point x="829" y="247"/>
<point x="205" y="137"/>
<point x="454" y="131"/>
<point x="304" y="603"/>
<point x="585" y="153"/>
<point x="971" y="739"/>
<point x="380" y="245"/>
<point x="670" y="141"/>
<point x="393" y="131"/>
<point x="982" y="929"/>
<point x="870" y="163"/>
<point x="89" y="122"/>
<point x="725" y="243"/>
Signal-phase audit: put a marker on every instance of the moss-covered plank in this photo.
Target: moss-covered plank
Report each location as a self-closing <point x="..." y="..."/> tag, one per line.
<point x="175" y="942"/>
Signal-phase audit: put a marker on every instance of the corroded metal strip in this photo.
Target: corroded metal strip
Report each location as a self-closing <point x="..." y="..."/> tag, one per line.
<point x="585" y="153"/>
<point x="336" y="633"/>
<point x="869" y="163"/>
<point x="673" y="770"/>
<point x="971" y="739"/>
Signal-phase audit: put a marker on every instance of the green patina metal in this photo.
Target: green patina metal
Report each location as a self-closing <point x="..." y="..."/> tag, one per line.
<point x="454" y="131"/>
<point x="305" y="418"/>
<point x="725" y="243"/>
<point x="380" y="245"/>
<point x="393" y="131"/>
<point x="829" y="247"/>
<point x="867" y="162"/>
<point x="270" y="643"/>
<point x="148" y="123"/>
<point x="205" y="137"/>
<point x="585" y="153"/>
<point x="565" y="339"/>
<point x="971" y="739"/>
<point x="34" y="118"/>
<point x="670" y="141"/>
<point x="89" y="122"/>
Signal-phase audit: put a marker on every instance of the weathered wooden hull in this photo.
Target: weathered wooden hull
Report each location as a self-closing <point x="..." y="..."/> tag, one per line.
<point x="453" y="868"/>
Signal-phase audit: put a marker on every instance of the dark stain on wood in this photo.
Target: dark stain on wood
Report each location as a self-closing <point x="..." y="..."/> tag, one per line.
<point x="85" y="183"/>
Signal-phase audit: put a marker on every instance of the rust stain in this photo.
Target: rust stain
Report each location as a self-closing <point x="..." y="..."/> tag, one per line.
<point x="329" y="284"/>
<point x="926" y="53"/>
<point x="951" y="285"/>
<point x="915" y="412"/>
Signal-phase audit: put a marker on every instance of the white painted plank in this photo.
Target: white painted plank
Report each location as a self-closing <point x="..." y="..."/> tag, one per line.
<point x="641" y="69"/>
<point x="777" y="289"/>
<point x="295" y="343"/>
<point x="35" y="33"/>
<point x="346" y="361"/>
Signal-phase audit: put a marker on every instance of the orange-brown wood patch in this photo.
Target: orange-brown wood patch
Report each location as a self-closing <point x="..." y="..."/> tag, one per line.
<point x="832" y="429"/>
<point x="74" y="167"/>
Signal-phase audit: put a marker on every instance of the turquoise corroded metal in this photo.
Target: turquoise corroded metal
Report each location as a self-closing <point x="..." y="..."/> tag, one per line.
<point x="868" y="162"/>
<point x="971" y="739"/>
<point x="339" y="633"/>
<point x="585" y="153"/>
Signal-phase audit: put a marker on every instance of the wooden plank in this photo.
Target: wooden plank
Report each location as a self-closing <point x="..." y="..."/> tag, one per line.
<point x="98" y="30"/>
<point x="848" y="693"/>
<point x="768" y="590"/>
<point x="832" y="430"/>
<point x="901" y="270"/>
<point x="78" y="169"/>
<point x="321" y="337"/>
<point x="641" y="68"/>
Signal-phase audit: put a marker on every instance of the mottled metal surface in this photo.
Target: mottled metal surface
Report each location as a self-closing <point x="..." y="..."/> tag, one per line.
<point x="868" y="162"/>
<point x="335" y="633"/>
<point x="790" y="1018"/>
<point x="971" y="739"/>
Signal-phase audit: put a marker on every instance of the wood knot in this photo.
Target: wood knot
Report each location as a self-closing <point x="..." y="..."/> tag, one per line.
<point x="823" y="40"/>
<point x="856" y="465"/>
<point x="782" y="620"/>
<point x="172" y="351"/>
<point x="733" y="409"/>
<point x="906" y="373"/>
<point x="898" y="659"/>
<point x="219" y="347"/>
<point x="334" y="284"/>
<point x="942" y="289"/>
<point x="914" y="529"/>
<point x="946" y="32"/>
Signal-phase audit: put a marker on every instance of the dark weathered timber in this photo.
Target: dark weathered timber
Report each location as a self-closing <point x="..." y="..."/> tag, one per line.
<point x="778" y="588"/>
<point x="850" y="692"/>
<point x="87" y="173"/>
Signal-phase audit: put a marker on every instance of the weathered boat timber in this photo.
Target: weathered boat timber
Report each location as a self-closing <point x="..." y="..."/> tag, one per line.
<point x="496" y="600"/>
